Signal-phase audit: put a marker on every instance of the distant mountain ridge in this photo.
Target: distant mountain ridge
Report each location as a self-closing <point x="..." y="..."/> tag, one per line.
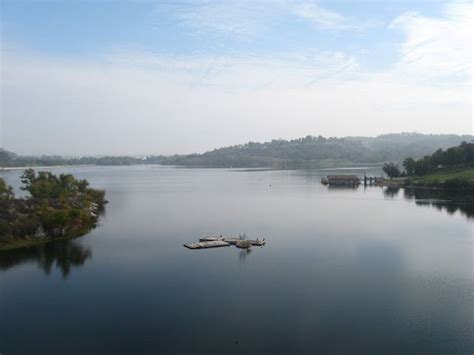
<point x="307" y="152"/>
<point x="314" y="152"/>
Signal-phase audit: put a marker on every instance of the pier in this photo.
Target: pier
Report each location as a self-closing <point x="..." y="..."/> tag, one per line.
<point x="217" y="242"/>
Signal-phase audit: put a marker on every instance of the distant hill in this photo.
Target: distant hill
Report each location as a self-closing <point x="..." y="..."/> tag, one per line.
<point x="311" y="152"/>
<point x="6" y="156"/>
<point x="307" y="152"/>
<point x="9" y="159"/>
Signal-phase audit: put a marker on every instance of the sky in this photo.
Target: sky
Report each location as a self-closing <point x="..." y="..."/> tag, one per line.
<point x="84" y="77"/>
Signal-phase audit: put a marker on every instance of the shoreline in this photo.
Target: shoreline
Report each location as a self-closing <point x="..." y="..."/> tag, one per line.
<point x="28" y="243"/>
<point x="409" y="185"/>
<point x="13" y="168"/>
<point x="322" y="168"/>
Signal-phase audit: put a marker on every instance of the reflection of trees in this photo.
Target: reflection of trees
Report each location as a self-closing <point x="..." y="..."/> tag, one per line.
<point x="442" y="200"/>
<point x="65" y="254"/>
<point x="391" y="191"/>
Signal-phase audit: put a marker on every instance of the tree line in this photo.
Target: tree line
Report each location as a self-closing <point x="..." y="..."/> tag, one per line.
<point x="319" y="151"/>
<point x="460" y="155"/>
<point x="306" y="152"/>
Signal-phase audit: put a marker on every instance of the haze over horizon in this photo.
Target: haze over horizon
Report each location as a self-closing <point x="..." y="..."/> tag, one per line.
<point x="79" y="78"/>
<point x="466" y="137"/>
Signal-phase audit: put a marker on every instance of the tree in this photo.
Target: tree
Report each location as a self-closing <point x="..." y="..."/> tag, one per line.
<point x="424" y="166"/>
<point x="29" y="175"/>
<point x="6" y="191"/>
<point x="47" y="185"/>
<point x="409" y="165"/>
<point x="391" y="169"/>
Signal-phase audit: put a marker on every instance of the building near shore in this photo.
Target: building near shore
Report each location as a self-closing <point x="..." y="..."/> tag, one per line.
<point x="343" y="180"/>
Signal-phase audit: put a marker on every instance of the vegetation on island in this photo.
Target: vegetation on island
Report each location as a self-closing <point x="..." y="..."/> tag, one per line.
<point x="57" y="207"/>
<point x="452" y="168"/>
<point x="307" y="152"/>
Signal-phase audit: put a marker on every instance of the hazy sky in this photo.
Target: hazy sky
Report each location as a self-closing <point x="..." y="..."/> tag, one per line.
<point x="114" y="77"/>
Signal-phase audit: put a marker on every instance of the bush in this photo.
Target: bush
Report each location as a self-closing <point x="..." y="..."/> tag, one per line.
<point x="392" y="170"/>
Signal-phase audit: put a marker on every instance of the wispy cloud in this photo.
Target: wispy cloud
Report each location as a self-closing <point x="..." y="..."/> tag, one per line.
<point x="321" y="17"/>
<point x="246" y="19"/>
<point x="239" y="73"/>
<point x="438" y="50"/>
<point x="241" y="19"/>
<point x="145" y="103"/>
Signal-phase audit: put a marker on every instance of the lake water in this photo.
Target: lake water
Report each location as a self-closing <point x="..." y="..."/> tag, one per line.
<point x="344" y="271"/>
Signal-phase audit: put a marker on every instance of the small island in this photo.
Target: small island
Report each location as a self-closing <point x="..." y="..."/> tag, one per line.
<point x="57" y="207"/>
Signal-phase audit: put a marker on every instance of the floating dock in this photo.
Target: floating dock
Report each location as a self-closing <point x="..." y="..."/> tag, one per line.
<point x="207" y="244"/>
<point x="221" y="241"/>
<point x="233" y="241"/>
<point x="212" y="239"/>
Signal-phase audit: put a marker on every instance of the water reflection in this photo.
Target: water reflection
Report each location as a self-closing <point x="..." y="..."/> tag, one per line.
<point x="338" y="275"/>
<point x="391" y="191"/>
<point x="449" y="201"/>
<point x="243" y="254"/>
<point x="65" y="254"/>
<point x="342" y="187"/>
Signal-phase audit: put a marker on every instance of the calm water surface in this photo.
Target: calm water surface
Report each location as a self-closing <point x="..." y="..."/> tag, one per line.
<point x="345" y="270"/>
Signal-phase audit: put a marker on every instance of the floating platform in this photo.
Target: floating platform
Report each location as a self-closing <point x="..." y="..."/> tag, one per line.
<point x="221" y="241"/>
<point x="212" y="239"/>
<point x="253" y="242"/>
<point x="232" y="241"/>
<point x="257" y="242"/>
<point x="243" y="244"/>
<point x="207" y="244"/>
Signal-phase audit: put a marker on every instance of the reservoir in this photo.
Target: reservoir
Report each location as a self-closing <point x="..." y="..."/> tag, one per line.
<point x="344" y="270"/>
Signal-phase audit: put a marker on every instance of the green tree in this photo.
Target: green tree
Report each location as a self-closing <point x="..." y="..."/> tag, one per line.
<point x="392" y="170"/>
<point x="46" y="185"/>
<point x="6" y="191"/>
<point x="409" y="165"/>
<point x="424" y="166"/>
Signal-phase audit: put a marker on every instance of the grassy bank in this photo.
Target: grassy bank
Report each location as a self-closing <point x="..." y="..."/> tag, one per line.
<point x="454" y="178"/>
<point x="446" y="174"/>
